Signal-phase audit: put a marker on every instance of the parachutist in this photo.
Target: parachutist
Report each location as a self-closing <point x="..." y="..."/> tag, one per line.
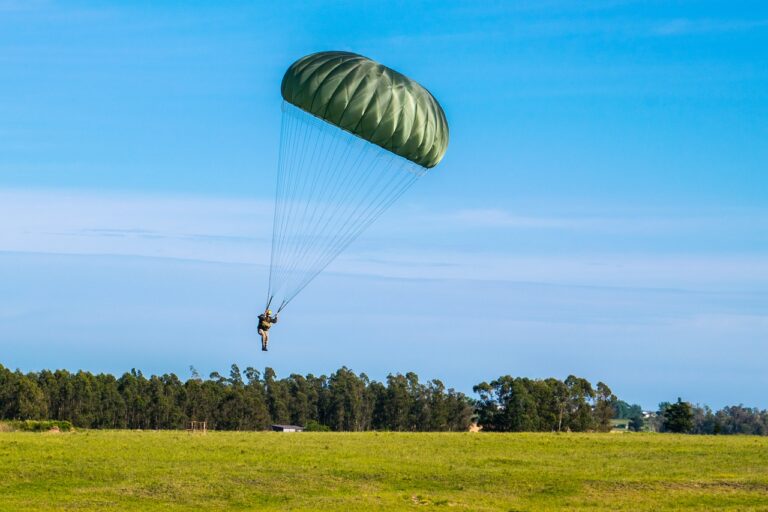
<point x="265" y="322"/>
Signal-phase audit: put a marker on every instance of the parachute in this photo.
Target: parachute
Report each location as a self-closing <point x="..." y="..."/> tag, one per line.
<point x="355" y="135"/>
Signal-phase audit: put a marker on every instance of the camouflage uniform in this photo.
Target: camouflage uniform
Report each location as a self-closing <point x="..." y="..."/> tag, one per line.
<point x="265" y="322"/>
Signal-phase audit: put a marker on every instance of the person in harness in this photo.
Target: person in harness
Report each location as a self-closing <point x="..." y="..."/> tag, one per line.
<point x="265" y="322"/>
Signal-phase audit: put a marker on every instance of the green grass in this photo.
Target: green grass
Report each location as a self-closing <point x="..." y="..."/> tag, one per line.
<point x="122" y="470"/>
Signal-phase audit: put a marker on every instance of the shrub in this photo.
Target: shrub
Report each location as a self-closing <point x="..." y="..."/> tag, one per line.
<point x="40" y="426"/>
<point x="314" y="426"/>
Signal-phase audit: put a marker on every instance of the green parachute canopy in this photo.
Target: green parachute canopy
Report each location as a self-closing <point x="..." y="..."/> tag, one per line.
<point x="371" y="101"/>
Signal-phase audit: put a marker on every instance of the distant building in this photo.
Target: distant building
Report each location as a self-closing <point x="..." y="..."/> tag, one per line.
<point x="287" y="428"/>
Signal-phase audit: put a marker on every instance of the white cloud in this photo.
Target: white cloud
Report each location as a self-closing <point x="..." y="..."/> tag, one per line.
<point x="70" y="222"/>
<point x="22" y="5"/>
<point x="239" y="231"/>
<point x="698" y="272"/>
<point x="617" y="220"/>
<point x="553" y="26"/>
<point x="686" y="26"/>
<point x="501" y="218"/>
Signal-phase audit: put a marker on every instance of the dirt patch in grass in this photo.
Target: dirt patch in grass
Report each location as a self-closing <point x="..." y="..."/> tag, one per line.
<point x="693" y="485"/>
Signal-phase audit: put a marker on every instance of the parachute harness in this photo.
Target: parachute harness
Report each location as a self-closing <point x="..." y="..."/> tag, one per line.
<point x="331" y="185"/>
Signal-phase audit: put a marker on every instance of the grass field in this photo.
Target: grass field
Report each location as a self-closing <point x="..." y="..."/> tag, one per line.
<point x="122" y="470"/>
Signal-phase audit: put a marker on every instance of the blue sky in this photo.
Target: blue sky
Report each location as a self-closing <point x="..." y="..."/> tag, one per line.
<point x="601" y="210"/>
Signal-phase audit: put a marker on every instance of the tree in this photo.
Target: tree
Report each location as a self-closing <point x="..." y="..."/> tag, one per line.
<point x="112" y="409"/>
<point x="30" y="401"/>
<point x="604" y="407"/>
<point x="704" y="420"/>
<point x="397" y="403"/>
<point x="132" y="387"/>
<point x="678" y="417"/>
<point x="738" y="419"/>
<point x="520" y="408"/>
<point x="347" y="406"/>
<point x="623" y="410"/>
<point x="438" y="406"/>
<point x="636" y="423"/>
<point x="487" y="407"/>
<point x="460" y="411"/>
<point x="303" y="404"/>
<point x="580" y="395"/>
<point x="84" y="400"/>
<point x="277" y="396"/>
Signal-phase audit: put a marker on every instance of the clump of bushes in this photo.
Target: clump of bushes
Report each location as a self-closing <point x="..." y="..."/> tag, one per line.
<point x="39" y="425"/>
<point x="314" y="426"/>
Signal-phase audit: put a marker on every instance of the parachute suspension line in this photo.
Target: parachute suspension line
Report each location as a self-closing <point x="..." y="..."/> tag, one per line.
<point x="289" y="167"/>
<point x="289" y="171"/>
<point x="350" y="237"/>
<point x="373" y="205"/>
<point x="280" y="163"/>
<point x="315" y="234"/>
<point x="331" y="186"/>
<point x="292" y="184"/>
<point x="299" y="184"/>
<point x="294" y="258"/>
<point x="286" y="131"/>
<point x="317" y="191"/>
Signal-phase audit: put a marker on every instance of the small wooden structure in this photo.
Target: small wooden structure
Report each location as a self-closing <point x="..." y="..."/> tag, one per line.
<point x="287" y="428"/>
<point x="198" y="427"/>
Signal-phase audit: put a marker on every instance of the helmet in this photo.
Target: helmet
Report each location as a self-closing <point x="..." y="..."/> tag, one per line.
<point x="269" y="311"/>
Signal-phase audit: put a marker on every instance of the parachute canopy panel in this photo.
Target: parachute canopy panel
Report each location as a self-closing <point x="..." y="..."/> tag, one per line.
<point x="371" y="101"/>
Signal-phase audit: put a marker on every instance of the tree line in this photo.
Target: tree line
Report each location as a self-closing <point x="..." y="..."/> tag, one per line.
<point x="510" y="404"/>
<point x="683" y="417"/>
<point x="345" y="401"/>
<point x="243" y="400"/>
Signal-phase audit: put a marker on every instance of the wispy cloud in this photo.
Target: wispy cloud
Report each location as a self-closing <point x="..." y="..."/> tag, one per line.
<point x="239" y="231"/>
<point x="71" y="222"/>
<point x="609" y="269"/>
<point x="617" y="220"/>
<point x="555" y="26"/>
<point x="496" y="218"/>
<point x="22" y="5"/>
<point x="688" y="26"/>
